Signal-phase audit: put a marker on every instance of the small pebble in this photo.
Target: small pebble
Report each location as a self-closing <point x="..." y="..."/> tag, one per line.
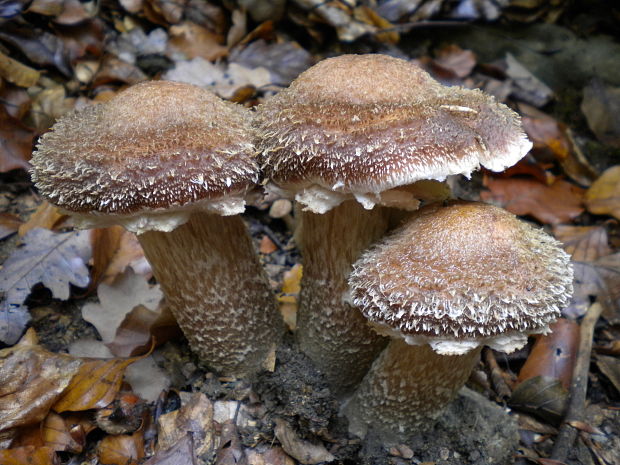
<point x="280" y="208"/>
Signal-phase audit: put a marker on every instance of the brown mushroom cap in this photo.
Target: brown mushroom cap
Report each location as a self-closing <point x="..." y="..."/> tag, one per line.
<point x="156" y="145"/>
<point x="462" y="275"/>
<point x="367" y="123"/>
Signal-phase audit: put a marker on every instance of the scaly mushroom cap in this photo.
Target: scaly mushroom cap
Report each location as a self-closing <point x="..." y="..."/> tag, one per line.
<point x="156" y="145"/>
<point x="363" y="124"/>
<point x="462" y="275"/>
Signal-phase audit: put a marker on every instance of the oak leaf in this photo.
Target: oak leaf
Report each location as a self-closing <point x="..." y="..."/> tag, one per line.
<point x="557" y="203"/>
<point x="55" y="260"/>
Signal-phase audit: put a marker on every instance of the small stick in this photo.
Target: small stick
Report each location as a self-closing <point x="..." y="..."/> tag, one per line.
<point x="579" y="384"/>
<point x="499" y="384"/>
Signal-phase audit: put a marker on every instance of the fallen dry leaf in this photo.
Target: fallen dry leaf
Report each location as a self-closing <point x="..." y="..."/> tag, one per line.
<point x="54" y="259"/>
<point x="182" y="452"/>
<point x="94" y="386"/>
<point x="9" y="224"/>
<point x="45" y="216"/>
<point x="603" y="196"/>
<point x="601" y="280"/>
<point x="553" y="354"/>
<point x="304" y="451"/>
<point x="105" y="243"/>
<point x="542" y="397"/>
<point x="15" y="143"/>
<point x="196" y="41"/>
<point x="267" y="246"/>
<point x="584" y="243"/>
<point x="142" y="327"/>
<point x="117" y="300"/>
<point x="195" y="417"/>
<point x="526" y="86"/>
<point x="122" y="449"/>
<point x="17" y="73"/>
<point x="558" y="203"/>
<point x="601" y="106"/>
<point x="31" y="380"/>
<point x="610" y="367"/>
<point x="129" y="253"/>
<point x="268" y="455"/>
<point x="453" y="60"/>
<point x="57" y="435"/>
<point x="28" y="455"/>
<point x="230" y="450"/>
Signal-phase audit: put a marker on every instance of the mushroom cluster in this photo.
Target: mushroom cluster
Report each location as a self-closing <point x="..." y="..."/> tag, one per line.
<point x="353" y="138"/>
<point x="394" y="322"/>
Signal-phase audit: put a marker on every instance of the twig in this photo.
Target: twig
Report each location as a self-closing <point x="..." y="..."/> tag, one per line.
<point x="499" y="384"/>
<point x="579" y="384"/>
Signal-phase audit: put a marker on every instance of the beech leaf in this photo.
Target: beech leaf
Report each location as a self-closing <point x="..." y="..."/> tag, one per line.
<point x="55" y="260"/>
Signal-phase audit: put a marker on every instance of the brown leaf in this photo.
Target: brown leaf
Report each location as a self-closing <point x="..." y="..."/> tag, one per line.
<point x="269" y="456"/>
<point x="57" y="435"/>
<point x="195" y="417"/>
<point x="140" y="327"/>
<point x="603" y="197"/>
<point x="31" y="379"/>
<point x="386" y="32"/>
<point x="546" y="132"/>
<point x="128" y="253"/>
<point x="267" y="246"/>
<point x="601" y="106"/>
<point x="17" y="73"/>
<point x="15" y="143"/>
<point x="600" y="280"/>
<point x="45" y="216"/>
<point x="230" y="451"/>
<point x="196" y="41"/>
<point x="113" y="69"/>
<point x="105" y="243"/>
<point x="584" y="243"/>
<point x="558" y="203"/>
<point x="94" y="386"/>
<point x="122" y="449"/>
<point x="28" y="455"/>
<point x="182" y="452"/>
<point x="304" y="451"/>
<point x="553" y="355"/>
<point x="288" y="299"/>
<point x="542" y="397"/>
<point x="455" y="60"/>
<point x="9" y="224"/>
<point x="15" y="100"/>
<point x="610" y="367"/>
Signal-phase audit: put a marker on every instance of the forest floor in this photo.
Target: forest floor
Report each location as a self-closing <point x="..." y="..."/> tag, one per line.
<point x="81" y="381"/>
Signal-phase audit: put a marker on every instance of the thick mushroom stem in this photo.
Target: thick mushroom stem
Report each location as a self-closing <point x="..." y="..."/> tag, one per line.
<point x="217" y="290"/>
<point x="407" y="386"/>
<point x="334" y="334"/>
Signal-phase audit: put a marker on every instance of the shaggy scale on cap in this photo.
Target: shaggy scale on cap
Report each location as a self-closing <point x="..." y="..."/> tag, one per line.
<point x="465" y="271"/>
<point x="156" y="145"/>
<point x="363" y="124"/>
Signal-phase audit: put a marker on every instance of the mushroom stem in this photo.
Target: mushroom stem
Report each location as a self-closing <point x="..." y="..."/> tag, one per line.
<point x="407" y="386"/>
<point x="334" y="334"/>
<point x="217" y="290"/>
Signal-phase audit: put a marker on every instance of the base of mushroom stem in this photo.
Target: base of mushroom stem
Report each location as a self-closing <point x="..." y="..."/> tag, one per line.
<point x="406" y="389"/>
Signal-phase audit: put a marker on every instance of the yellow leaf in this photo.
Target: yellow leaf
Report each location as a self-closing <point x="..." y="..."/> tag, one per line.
<point x="603" y="197"/>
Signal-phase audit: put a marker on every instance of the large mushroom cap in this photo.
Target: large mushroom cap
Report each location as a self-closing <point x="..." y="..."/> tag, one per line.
<point x="368" y="123"/>
<point x="461" y="275"/>
<point x="156" y="145"/>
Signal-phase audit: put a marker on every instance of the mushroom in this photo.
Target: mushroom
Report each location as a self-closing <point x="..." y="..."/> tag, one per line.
<point x="453" y="279"/>
<point x="357" y="131"/>
<point x="172" y="163"/>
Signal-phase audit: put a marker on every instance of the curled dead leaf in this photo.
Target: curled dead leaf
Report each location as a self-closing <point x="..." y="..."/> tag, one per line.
<point x="603" y="196"/>
<point x="31" y="381"/>
<point x="94" y="386"/>
<point x="122" y="449"/>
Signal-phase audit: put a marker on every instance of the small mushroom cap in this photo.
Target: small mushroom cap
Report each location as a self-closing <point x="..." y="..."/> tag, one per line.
<point x="461" y="275"/>
<point x="156" y="146"/>
<point x="362" y="124"/>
